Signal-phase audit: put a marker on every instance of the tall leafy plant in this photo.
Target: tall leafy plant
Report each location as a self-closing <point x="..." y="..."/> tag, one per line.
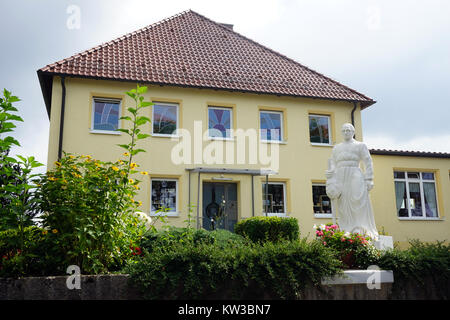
<point x="90" y="203"/>
<point x="18" y="205"/>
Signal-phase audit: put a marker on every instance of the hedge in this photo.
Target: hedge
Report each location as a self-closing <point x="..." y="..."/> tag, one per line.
<point x="243" y="271"/>
<point x="273" y="229"/>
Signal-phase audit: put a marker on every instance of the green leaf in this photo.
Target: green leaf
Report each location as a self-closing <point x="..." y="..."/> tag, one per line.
<point x="143" y="136"/>
<point x="142" y="90"/>
<point x="124" y="130"/>
<point x="132" y="110"/>
<point x="146" y="104"/>
<point x="125" y="118"/>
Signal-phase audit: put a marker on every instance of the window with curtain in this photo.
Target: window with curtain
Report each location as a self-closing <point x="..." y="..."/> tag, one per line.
<point x="106" y="114"/>
<point x="164" y="118"/>
<point x="415" y="194"/>
<point x="219" y="122"/>
<point x="271" y="123"/>
<point x="319" y="129"/>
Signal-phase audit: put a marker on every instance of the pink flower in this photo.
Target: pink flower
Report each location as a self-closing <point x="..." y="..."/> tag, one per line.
<point x="334" y="226"/>
<point x="343" y="239"/>
<point x="324" y="243"/>
<point x="319" y="233"/>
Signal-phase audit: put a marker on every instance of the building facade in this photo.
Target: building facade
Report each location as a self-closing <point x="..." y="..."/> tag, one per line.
<point x="237" y="130"/>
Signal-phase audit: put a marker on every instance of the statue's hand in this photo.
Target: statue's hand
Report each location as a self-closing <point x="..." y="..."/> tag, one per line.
<point x="369" y="184"/>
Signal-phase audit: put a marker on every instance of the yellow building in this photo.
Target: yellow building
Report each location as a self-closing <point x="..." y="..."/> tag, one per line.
<point x="230" y="115"/>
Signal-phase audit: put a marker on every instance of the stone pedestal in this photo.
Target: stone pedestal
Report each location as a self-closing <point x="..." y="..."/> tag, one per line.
<point x="384" y="243"/>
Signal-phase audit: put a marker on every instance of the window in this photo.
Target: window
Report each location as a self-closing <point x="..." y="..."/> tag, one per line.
<point x="164" y="196"/>
<point x="415" y="194"/>
<point x="219" y="122"/>
<point x="105" y="115"/>
<point x="274" y="203"/>
<point x="321" y="202"/>
<point x="164" y="118"/>
<point x="319" y="129"/>
<point x="271" y="125"/>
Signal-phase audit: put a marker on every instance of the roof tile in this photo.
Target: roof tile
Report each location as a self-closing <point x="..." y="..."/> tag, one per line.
<point x="189" y="49"/>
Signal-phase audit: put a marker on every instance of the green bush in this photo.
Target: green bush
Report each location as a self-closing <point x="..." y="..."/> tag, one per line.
<point x="247" y="270"/>
<point x="273" y="229"/>
<point x="154" y="239"/>
<point x="421" y="261"/>
<point x="41" y="254"/>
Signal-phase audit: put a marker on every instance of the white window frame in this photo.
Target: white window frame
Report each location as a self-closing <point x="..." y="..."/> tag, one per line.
<point x="275" y="214"/>
<point x="111" y="100"/>
<point x="231" y="135"/>
<point x="321" y="215"/>
<point x="407" y="180"/>
<point x="330" y="135"/>
<point x="169" y="213"/>
<point x="281" y="126"/>
<point x="169" y="104"/>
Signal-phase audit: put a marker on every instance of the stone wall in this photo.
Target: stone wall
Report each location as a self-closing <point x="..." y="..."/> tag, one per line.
<point x="116" y="287"/>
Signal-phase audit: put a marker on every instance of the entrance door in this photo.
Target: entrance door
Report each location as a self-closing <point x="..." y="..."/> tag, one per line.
<point x="219" y="205"/>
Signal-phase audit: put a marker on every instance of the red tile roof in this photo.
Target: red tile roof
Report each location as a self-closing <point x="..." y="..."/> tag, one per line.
<point x="191" y="50"/>
<point x="425" y="154"/>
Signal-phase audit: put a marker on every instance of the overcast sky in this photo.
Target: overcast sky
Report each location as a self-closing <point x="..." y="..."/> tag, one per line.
<point x="396" y="52"/>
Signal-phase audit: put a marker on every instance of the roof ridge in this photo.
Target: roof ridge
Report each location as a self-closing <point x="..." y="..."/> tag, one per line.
<point x="118" y="39"/>
<point x="281" y="55"/>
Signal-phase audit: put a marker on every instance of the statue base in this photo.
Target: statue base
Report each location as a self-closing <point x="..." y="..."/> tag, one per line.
<point x="384" y="243"/>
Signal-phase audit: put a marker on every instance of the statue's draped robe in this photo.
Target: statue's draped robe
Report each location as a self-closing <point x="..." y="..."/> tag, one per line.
<point x="354" y="209"/>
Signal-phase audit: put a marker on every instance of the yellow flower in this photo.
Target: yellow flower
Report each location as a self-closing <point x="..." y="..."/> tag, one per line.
<point x="133" y="165"/>
<point x="71" y="157"/>
<point x="52" y="179"/>
<point x="136" y="187"/>
<point x="130" y="181"/>
<point x="58" y="164"/>
<point x="120" y="162"/>
<point x="132" y="200"/>
<point x="89" y="157"/>
<point x="115" y="168"/>
<point x="144" y="173"/>
<point x="44" y="232"/>
<point x="126" y="154"/>
<point x="139" y="203"/>
<point x="55" y="231"/>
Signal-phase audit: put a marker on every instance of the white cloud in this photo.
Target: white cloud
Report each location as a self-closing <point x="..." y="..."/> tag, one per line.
<point x="423" y="143"/>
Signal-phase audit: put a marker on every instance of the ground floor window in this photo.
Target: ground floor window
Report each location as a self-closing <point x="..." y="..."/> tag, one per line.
<point x="321" y="202"/>
<point x="274" y="198"/>
<point x="164" y="193"/>
<point x="415" y="194"/>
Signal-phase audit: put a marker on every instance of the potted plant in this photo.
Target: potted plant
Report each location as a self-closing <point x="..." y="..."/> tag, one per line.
<point x="345" y="243"/>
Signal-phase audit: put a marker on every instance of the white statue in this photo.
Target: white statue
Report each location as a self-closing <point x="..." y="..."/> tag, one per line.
<point x="348" y="187"/>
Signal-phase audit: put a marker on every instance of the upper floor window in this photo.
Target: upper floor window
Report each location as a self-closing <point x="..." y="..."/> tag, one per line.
<point x="415" y="194"/>
<point x="105" y="115"/>
<point x="274" y="198"/>
<point x="319" y="129"/>
<point x="220" y="122"/>
<point x="164" y="118"/>
<point x="271" y="125"/>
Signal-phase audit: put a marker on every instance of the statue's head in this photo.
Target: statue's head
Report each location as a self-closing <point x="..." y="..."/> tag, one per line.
<point x="348" y="131"/>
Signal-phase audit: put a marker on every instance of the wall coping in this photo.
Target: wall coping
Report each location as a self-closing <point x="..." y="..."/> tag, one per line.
<point x="361" y="277"/>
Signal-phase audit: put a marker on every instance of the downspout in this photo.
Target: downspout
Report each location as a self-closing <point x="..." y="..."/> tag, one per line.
<point x="61" y="121"/>
<point x="355" y="105"/>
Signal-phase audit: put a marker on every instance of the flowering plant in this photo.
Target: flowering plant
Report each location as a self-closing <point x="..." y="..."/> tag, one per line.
<point x="346" y="243"/>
